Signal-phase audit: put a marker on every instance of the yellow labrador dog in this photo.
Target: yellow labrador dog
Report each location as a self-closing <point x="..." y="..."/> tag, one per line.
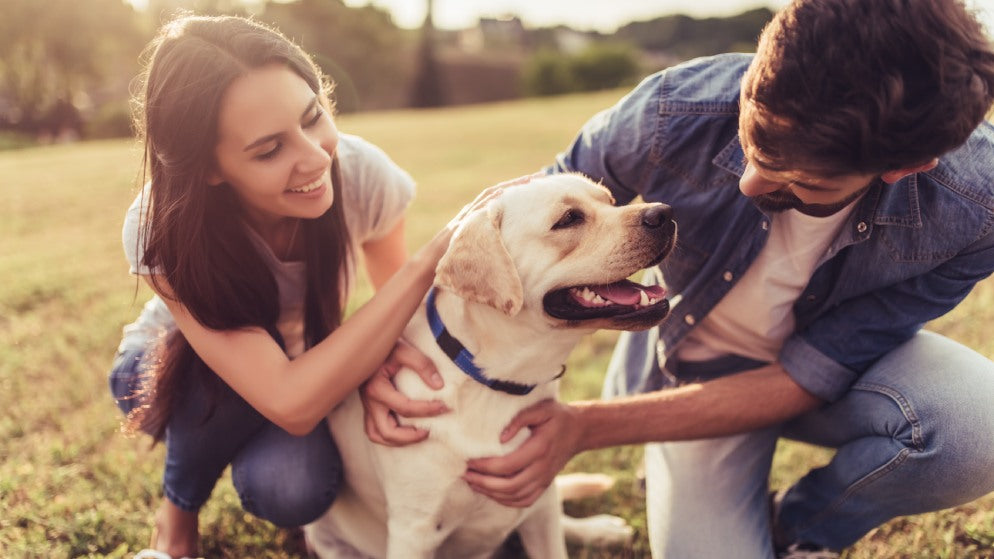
<point x="524" y="278"/>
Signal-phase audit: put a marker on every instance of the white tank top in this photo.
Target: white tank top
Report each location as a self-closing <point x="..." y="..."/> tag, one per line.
<point x="755" y="317"/>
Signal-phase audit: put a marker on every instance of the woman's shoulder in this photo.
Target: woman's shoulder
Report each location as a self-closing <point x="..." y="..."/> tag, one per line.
<point x="358" y="152"/>
<point x="376" y="189"/>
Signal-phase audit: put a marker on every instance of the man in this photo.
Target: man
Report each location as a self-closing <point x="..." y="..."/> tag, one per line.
<point x="834" y="193"/>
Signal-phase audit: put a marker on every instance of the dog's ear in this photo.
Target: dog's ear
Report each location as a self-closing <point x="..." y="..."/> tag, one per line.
<point x="477" y="265"/>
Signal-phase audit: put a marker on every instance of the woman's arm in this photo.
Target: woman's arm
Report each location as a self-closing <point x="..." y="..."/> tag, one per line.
<point x="384" y="256"/>
<point x="297" y="394"/>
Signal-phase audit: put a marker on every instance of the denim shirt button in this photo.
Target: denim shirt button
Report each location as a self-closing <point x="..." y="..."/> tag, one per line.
<point x="810" y="298"/>
<point x="689" y="319"/>
<point x="861" y="227"/>
<point x="727" y="276"/>
<point x="765" y="225"/>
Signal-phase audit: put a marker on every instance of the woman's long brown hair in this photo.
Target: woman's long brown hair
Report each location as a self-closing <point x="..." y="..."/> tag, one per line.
<point x="194" y="234"/>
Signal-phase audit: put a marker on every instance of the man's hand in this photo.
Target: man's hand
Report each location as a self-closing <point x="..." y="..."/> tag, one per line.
<point x="383" y="402"/>
<point x="518" y="479"/>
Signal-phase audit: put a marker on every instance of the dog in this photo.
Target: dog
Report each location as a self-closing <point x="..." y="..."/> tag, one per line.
<point x="523" y="280"/>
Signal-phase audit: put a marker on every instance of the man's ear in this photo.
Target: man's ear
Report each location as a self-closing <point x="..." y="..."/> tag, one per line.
<point x="890" y="177"/>
<point x="477" y="265"/>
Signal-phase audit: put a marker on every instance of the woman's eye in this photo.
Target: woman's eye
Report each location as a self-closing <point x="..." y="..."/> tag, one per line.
<point x="269" y="154"/>
<point x="570" y="218"/>
<point x="318" y="113"/>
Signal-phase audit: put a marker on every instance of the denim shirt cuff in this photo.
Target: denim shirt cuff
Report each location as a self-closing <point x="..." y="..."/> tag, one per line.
<point x="814" y="371"/>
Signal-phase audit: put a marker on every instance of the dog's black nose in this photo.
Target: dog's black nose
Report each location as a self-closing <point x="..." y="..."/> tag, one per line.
<point x="657" y="215"/>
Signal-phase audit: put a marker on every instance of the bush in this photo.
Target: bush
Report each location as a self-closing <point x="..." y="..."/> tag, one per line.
<point x="15" y="140"/>
<point x="605" y="66"/>
<point x="112" y="120"/>
<point x="548" y="73"/>
<point x="599" y="66"/>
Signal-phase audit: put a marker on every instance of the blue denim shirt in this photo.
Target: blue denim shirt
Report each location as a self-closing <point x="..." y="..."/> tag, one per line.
<point x="908" y="253"/>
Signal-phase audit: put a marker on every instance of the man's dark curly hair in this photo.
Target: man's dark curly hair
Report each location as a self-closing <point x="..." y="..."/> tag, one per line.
<point x="866" y="86"/>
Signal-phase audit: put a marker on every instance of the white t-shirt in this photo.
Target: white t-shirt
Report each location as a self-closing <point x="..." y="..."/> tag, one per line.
<point x="375" y="192"/>
<point x="756" y="316"/>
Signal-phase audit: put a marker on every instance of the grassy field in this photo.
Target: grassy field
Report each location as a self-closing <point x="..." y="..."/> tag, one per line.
<point x="72" y="486"/>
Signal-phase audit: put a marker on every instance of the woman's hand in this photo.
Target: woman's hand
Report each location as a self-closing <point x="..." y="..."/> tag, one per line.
<point x="383" y="402"/>
<point x="519" y="478"/>
<point x="441" y="240"/>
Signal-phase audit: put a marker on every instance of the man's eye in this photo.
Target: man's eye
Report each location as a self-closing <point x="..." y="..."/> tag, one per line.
<point x="569" y="219"/>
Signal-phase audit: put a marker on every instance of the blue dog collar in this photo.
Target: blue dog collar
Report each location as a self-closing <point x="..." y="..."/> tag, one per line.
<point x="463" y="359"/>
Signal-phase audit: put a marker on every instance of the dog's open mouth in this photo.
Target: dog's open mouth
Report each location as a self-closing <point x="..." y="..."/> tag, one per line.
<point x="619" y="299"/>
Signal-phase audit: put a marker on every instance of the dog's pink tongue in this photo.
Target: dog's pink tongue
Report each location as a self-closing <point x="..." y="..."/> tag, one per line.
<point x="627" y="293"/>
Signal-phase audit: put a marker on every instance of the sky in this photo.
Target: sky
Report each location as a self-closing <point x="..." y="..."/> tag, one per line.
<point x="600" y="15"/>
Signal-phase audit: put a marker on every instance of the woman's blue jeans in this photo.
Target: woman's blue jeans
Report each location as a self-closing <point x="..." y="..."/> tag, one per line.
<point x="285" y="479"/>
<point x="915" y="433"/>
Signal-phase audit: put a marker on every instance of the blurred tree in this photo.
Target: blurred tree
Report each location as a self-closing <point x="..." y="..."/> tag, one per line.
<point x="426" y="90"/>
<point x="55" y="54"/>
<point x="684" y="37"/>
<point x="360" y="48"/>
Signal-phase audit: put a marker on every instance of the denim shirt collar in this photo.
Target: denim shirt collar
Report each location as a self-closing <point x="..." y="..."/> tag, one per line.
<point x="884" y="204"/>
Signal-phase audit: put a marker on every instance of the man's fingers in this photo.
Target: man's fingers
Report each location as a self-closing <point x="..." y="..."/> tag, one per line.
<point x="531" y="416"/>
<point x="382" y="428"/>
<point x="381" y="390"/>
<point x="406" y="355"/>
<point x="520" y="490"/>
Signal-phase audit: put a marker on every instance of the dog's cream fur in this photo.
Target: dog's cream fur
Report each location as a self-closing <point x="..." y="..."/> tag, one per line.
<point x="410" y="502"/>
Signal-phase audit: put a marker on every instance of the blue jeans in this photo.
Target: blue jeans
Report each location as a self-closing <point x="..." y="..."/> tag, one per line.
<point x="284" y="479"/>
<point x="913" y="434"/>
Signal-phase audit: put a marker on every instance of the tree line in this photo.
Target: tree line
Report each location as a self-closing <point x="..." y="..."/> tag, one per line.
<point x="67" y="67"/>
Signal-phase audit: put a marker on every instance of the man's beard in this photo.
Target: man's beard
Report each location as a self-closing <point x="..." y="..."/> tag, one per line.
<point x="784" y="199"/>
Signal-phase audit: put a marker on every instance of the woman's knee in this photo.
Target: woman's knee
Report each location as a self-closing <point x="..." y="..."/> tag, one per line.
<point x="291" y="482"/>
<point x="125" y="379"/>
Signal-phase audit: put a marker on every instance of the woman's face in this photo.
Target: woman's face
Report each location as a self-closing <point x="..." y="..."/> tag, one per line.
<point x="275" y="146"/>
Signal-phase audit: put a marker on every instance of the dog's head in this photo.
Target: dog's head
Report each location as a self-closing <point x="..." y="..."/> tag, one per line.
<point x="558" y="246"/>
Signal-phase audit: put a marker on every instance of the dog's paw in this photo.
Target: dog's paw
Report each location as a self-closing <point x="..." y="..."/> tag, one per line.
<point x="579" y="485"/>
<point x="597" y="531"/>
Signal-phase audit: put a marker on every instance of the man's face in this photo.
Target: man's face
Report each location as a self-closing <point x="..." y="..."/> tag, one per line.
<point x="776" y="189"/>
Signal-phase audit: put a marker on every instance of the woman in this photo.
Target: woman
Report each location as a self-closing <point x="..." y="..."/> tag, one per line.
<point x="255" y="212"/>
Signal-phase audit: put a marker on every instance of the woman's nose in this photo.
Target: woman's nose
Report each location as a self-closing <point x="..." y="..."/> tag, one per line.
<point x="316" y="156"/>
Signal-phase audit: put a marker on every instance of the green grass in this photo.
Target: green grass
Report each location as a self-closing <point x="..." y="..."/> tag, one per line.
<point x="71" y="485"/>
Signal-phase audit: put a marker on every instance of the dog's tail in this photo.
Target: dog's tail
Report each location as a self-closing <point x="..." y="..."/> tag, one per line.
<point x="600" y="530"/>
<point x="579" y="485"/>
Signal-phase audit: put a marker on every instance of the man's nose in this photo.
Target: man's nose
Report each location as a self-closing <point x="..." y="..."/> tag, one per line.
<point x="753" y="184"/>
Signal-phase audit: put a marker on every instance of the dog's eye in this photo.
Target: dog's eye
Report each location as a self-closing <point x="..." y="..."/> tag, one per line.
<point x="569" y="219"/>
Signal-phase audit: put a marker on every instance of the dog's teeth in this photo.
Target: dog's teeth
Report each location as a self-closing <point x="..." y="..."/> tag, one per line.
<point x="644" y="299"/>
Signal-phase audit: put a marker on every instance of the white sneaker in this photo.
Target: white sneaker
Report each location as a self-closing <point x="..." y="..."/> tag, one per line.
<point x="795" y="550"/>
<point x="806" y="551"/>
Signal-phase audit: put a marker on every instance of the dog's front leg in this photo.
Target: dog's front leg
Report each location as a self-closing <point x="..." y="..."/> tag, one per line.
<point x="541" y="531"/>
<point x="412" y="539"/>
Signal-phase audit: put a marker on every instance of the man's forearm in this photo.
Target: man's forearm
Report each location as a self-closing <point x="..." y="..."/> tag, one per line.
<point x="729" y="405"/>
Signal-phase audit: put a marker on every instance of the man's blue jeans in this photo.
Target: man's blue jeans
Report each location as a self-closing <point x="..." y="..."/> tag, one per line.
<point x="915" y="433"/>
<point x="284" y="479"/>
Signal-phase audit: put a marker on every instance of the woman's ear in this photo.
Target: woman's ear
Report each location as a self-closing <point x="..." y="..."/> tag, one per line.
<point x="890" y="177"/>
<point x="214" y="178"/>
